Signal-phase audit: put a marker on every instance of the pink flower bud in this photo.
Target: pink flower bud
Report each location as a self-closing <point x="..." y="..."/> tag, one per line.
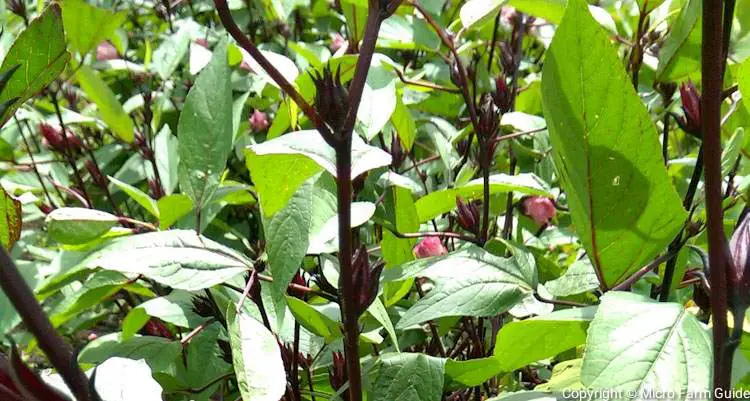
<point x="337" y="42"/>
<point x="202" y="41"/>
<point x="106" y="51"/>
<point x="539" y="208"/>
<point x="259" y="121"/>
<point x="429" y="246"/>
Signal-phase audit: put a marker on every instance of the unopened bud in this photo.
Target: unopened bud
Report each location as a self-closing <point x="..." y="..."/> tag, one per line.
<point x="258" y="121"/>
<point x="397" y="153"/>
<point x="96" y="175"/>
<point x="428" y="247"/>
<point x="45" y="208"/>
<point x="365" y="279"/>
<point x="337" y="374"/>
<point x="489" y="119"/>
<point x="106" y="51"/>
<point x="17" y="7"/>
<point x="294" y="290"/>
<point x="502" y="96"/>
<point x="507" y="58"/>
<point x="337" y="42"/>
<point x="691" y="107"/>
<point x="157" y="192"/>
<point x="202" y="42"/>
<point x="468" y="215"/>
<point x="53" y="138"/>
<point x="541" y="209"/>
<point x="739" y="277"/>
<point x="331" y="98"/>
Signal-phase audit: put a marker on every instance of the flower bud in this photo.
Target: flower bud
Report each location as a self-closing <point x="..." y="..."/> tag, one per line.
<point x="95" y="173"/>
<point x="202" y="42"/>
<point x="154" y="327"/>
<point x="489" y="119"/>
<point x="397" y="153"/>
<point x="258" y="121"/>
<point x="502" y="96"/>
<point x="28" y="383"/>
<point x="70" y="95"/>
<point x="156" y="190"/>
<point x="45" y="208"/>
<point x="296" y="292"/>
<point x="337" y="42"/>
<point x="429" y="246"/>
<point x="456" y="77"/>
<point x="666" y="89"/>
<point x="17" y="7"/>
<point x="541" y="209"/>
<point x="331" y="98"/>
<point x="337" y="374"/>
<point x="468" y="215"/>
<point x="365" y="279"/>
<point x="463" y="146"/>
<point x="691" y="106"/>
<point x="106" y="51"/>
<point x="226" y="351"/>
<point x="54" y="140"/>
<point x="739" y="277"/>
<point x="507" y="58"/>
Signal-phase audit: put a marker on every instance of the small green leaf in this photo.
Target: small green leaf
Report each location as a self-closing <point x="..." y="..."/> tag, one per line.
<point x="637" y="344"/>
<point x="469" y="282"/>
<point x="407" y="377"/>
<point x="313" y="320"/>
<point x="474" y="12"/>
<point x="279" y="166"/>
<point x="622" y="202"/>
<point x="172" y="208"/>
<point x="109" y="107"/>
<point x="159" y="352"/>
<point x="139" y="196"/>
<point x="180" y="259"/>
<point x="41" y="53"/>
<point x="75" y="225"/>
<point x="522" y="342"/>
<point x="10" y="217"/>
<point x="257" y="359"/>
<point x="378" y="311"/>
<point x="679" y="57"/>
<point x="205" y="130"/>
<point x="86" y="25"/>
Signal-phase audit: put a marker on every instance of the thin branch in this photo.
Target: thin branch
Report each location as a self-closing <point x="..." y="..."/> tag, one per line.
<point x="424" y="84"/>
<point x="440" y="234"/>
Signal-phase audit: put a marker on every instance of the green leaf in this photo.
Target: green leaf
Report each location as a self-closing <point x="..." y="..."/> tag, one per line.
<point x="175" y="308"/>
<point x="378" y="97"/>
<point x="580" y="277"/>
<point x="167" y="158"/>
<point x="566" y="375"/>
<point x="283" y="64"/>
<point x="109" y="107"/>
<point x="650" y="5"/>
<point x="469" y="282"/>
<point x="314" y="320"/>
<point x="680" y="56"/>
<point x="474" y="12"/>
<point x="550" y="10"/>
<point x="75" y="225"/>
<point x="10" y="217"/>
<point x="257" y="359"/>
<point x="622" y="202"/>
<point x="471" y="372"/>
<point x="115" y="377"/>
<point x="172" y="208"/>
<point x="139" y="196"/>
<point x="407" y="377"/>
<point x="86" y="25"/>
<point x="41" y="53"/>
<point x="731" y="151"/>
<point x="637" y="344"/>
<point x="159" y="352"/>
<point x="170" y="53"/>
<point x="403" y="123"/>
<point x="279" y="166"/>
<point x="180" y="259"/>
<point x="743" y="82"/>
<point x="205" y="130"/>
<point x="443" y="201"/>
<point x="378" y="311"/>
<point x="288" y="232"/>
<point x="522" y="342"/>
<point x="401" y="213"/>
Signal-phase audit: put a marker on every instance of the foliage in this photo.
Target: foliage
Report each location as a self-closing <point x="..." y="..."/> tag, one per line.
<point x="413" y="200"/>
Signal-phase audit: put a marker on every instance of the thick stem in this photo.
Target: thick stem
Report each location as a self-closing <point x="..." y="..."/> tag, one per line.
<point x="348" y="292"/>
<point x="486" y="163"/>
<point x="58" y="352"/>
<point x="712" y="70"/>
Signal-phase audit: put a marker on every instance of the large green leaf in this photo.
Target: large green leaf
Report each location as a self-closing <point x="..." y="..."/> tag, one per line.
<point x="743" y="81"/>
<point x="109" y="107"/>
<point x="40" y="51"/>
<point x="10" y="220"/>
<point x="257" y="359"/>
<point x="178" y="258"/>
<point x="205" y="130"/>
<point x="158" y="352"/>
<point x="605" y="146"/>
<point x="407" y="377"/>
<point x="525" y="341"/>
<point x="640" y="345"/>
<point x="75" y="225"/>
<point x="378" y="97"/>
<point x="469" y="282"/>
<point x="443" y="201"/>
<point x="279" y="166"/>
<point x="314" y="320"/>
<point x="474" y="12"/>
<point x="86" y="25"/>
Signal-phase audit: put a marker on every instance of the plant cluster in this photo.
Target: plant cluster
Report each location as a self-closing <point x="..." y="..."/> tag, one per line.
<point x="413" y="200"/>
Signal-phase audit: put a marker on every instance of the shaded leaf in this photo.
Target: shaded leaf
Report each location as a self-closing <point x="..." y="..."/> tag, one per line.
<point x="76" y="225"/>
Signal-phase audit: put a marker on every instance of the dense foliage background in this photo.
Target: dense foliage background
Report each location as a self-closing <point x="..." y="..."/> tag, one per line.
<point x="523" y="179"/>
